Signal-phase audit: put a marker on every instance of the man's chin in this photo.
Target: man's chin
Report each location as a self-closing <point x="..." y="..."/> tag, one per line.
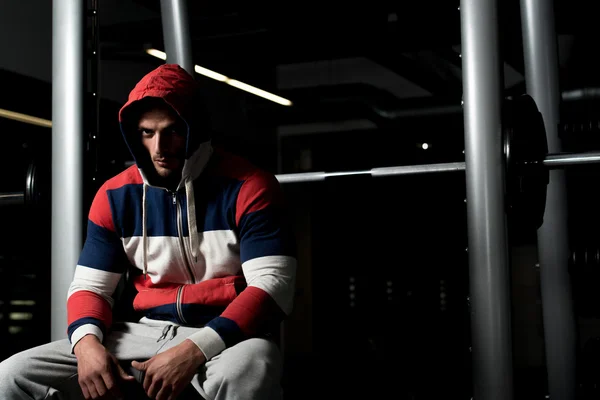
<point x="165" y="173"/>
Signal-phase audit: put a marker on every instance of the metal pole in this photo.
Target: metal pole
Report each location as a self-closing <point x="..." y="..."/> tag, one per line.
<point x="486" y="219"/>
<point x="541" y="77"/>
<point x="176" y="33"/>
<point x="68" y="22"/>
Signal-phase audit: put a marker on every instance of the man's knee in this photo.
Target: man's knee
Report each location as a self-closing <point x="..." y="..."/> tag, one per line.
<point x="12" y="368"/>
<point x="258" y="357"/>
<point x="252" y="367"/>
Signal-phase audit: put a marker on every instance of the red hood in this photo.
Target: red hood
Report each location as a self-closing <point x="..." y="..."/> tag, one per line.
<point x="169" y="82"/>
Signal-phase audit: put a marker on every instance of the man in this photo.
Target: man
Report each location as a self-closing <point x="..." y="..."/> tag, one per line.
<point x="210" y="255"/>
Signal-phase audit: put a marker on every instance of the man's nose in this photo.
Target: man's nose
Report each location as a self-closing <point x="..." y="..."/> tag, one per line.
<point x="161" y="143"/>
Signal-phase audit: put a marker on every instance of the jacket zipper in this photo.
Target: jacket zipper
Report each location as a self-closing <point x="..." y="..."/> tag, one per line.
<point x="180" y="234"/>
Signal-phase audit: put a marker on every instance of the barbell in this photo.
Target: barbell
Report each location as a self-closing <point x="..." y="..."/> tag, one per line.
<point x="34" y="190"/>
<point x="526" y="160"/>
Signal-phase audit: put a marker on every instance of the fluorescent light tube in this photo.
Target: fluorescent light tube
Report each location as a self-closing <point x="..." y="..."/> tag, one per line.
<point x="232" y="82"/>
<point x="28" y="119"/>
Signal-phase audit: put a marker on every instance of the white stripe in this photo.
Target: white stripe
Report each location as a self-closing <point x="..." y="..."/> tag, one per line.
<point x="208" y="341"/>
<point x="276" y="276"/>
<point x="101" y="282"/>
<point x="218" y="256"/>
<point x="87" y="329"/>
<point x="221" y="252"/>
<point x="163" y="259"/>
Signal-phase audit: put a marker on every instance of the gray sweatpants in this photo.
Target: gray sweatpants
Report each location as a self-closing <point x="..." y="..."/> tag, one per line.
<point x="249" y="370"/>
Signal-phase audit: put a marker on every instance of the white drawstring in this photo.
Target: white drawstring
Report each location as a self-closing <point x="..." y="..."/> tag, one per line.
<point x="191" y="214"/>
<point x="144" y="232"/>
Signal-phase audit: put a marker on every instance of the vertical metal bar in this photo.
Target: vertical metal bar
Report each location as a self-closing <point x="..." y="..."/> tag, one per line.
<point x="541" y="76"/>
<point x="94" y="77"/>
<point x="176" y="33"/>
<point x="68" y="22"/>
<point x="486" y="219"/>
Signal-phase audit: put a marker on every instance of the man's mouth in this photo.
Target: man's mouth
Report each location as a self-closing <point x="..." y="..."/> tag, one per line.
<point x="164" y="162"/>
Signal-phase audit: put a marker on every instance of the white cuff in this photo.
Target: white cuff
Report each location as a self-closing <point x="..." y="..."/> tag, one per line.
<point x="208" y="341"/>
<point x="87" y="329"/>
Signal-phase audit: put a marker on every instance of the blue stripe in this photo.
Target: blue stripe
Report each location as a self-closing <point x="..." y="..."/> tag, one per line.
<point x="102" y="250"/>
<point x="200" y="314"/>
<point x="215" y="207"/>
<point x="228" y="330"/>
<point x="166" y="312"/>
<point x="126" y="203"/>
<point x="194" y="314"/>
<point x="216" y="198"/>
<point x="265" y="233"/>
<point x="83" y="321"/>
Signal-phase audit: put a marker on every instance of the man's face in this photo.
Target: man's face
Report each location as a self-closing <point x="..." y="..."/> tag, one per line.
<point x="163" y="134"/>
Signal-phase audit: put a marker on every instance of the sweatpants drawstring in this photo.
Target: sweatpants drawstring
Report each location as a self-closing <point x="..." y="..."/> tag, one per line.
<point x="165" y="332"/>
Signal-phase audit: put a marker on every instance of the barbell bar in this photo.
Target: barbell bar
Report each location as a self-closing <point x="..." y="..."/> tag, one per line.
<point x="12" y="198"/>
<point x="551" y="161"/>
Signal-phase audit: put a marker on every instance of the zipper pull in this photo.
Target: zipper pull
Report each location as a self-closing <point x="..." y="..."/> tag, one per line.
<point x="174" y="198"/>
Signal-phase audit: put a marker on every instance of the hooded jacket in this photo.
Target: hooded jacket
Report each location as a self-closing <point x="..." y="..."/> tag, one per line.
<point x="215" y="253"/>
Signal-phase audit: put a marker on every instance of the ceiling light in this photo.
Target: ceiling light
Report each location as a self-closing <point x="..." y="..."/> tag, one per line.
<point x="157" y="53"/>
<point x="232" y="82"/>
<point x="28" y="119"/>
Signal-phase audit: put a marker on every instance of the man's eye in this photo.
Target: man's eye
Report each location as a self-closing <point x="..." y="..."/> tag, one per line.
<point x="146" y="132"/>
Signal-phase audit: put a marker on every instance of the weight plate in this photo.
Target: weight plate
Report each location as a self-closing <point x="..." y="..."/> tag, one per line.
<point x="525" y="147"/>
<point x="31" y="184"/>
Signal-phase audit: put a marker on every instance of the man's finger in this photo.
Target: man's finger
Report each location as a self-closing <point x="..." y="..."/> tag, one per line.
<point x="100" y="387"/>
<point x="85" y="391"/>
<point x="122" y="374"/>
<point x="164" y="393"/>
<point x="146" y="383"/>
<point x="93" y="390"/>
<point x="153" y="389"/>
<point x="141" y="366"/>
<point x="111" y="385"/>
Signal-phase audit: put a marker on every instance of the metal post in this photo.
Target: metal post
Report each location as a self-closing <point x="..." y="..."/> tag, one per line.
<point x="486" y="219"/>
<point x="68" y="22"/>
<point x="176" y="33"/>
<point x="541" y="77"/>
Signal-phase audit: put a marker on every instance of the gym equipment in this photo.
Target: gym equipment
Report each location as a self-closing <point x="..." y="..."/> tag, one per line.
<point x="527" y="163"/>
<point x="35" y="189"/>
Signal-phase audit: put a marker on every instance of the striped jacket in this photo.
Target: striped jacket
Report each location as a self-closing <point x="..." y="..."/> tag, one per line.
<point x="216" y="253"/>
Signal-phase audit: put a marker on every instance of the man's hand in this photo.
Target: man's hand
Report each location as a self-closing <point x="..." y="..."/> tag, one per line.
<point x="95" y="366"/>
<point x="168" y="373"/>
